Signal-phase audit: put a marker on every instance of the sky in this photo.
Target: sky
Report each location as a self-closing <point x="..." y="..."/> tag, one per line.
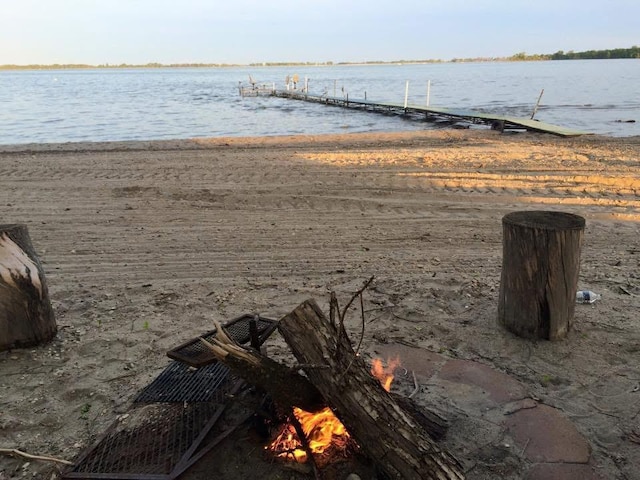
<point x="99" y="32"/>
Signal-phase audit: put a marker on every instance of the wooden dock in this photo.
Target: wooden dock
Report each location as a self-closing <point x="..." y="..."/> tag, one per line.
<point x="496" y="122"/>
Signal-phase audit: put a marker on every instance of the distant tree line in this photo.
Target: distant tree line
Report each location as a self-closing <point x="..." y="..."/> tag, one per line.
<point x="633" y="52"/>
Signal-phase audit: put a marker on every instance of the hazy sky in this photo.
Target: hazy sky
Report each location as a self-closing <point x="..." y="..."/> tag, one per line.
<point x="247" y="31"/>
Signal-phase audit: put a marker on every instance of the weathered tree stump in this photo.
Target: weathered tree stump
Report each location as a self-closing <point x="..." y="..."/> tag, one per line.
<point x="540" y="269"/>
<point x="26" y="316"/>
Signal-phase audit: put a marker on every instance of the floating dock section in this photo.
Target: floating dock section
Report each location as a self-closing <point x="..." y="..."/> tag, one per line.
<point x="428" y="113"/>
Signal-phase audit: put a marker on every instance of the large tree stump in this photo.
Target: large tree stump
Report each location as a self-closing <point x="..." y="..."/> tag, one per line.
<point x="382" y="428"/>
<point x="540" y="268"/>
<point x="26" y="316"/>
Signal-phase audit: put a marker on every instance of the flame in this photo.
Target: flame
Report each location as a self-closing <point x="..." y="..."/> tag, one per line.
<point x="384" y="374"/>
<point x="322" y="430"/>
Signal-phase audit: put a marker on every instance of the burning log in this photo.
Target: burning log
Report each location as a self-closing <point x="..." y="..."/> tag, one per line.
<point x="400" y="445"/>
<point x="286" y="386"/>
<point x="290" y="389"/>
<point x="388" y="428"/>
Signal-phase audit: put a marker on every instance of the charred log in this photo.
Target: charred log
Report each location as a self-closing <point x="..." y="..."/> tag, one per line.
<point x="388" y="427"/>
<point x="384" y="430"/>
<point x="287" y="386"/>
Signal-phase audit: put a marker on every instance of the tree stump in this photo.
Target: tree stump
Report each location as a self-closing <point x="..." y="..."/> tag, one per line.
<point x="540" y="269"/>
<point x="26" y="316"/>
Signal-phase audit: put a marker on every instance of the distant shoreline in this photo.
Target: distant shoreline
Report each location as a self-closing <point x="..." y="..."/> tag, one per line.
<point x="611" y="54"/>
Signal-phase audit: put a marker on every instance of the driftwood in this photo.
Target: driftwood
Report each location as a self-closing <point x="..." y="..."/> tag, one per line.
<point x="26" y="316"/>
<point x="20" y="453"/>
<point x="388" y="428"/>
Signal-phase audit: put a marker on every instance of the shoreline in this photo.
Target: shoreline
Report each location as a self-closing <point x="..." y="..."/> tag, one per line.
<point x="517" y="57"/>
<point x="144" y="244"/>
<point x="297" y="139"/>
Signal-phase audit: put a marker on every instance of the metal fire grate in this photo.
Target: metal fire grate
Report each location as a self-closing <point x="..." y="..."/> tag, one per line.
<point x="158" y="437"/>
<point x="195" y="354"/>
<point x="149" y="442"/>
<point x="180" y="383"/>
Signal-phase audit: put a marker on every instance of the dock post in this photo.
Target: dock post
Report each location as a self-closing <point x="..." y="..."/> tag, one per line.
<point x="537" y="104"/>
<point x="428" y="91"/>
<point x="406" y="94"/>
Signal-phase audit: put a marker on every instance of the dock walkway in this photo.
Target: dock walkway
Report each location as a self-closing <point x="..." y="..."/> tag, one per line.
<point x="497" y="122"/>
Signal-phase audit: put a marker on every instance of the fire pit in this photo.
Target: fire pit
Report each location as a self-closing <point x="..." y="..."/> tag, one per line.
<point x="270" y="443"/>
<point x="335" y="407"/>
<point x="401" y="440"/>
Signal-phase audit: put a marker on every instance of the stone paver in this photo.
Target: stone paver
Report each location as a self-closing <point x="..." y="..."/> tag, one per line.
<point x="562" y="471"/>
<point x="500" y="387"/>
<point x="541" y="434"/>
<point x="422" y="362"/>
<point x="547" y="436"/>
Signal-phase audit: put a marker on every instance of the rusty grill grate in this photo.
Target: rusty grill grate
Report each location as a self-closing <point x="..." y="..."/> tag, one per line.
<point x="158" y="437"/>
<point x="195" y="354"/>
<point x="148" y="442"/>
<point x="180" y="383"/>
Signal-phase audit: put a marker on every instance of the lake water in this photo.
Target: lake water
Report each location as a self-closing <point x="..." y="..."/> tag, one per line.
<point x="598" y="96"/>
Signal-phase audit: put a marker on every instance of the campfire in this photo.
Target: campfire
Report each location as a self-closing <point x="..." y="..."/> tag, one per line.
<point x="323" y="431"/>
<point x="331" y="376"/>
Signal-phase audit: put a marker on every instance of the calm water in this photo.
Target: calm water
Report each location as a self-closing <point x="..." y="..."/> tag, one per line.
<point x="597" y="96"/>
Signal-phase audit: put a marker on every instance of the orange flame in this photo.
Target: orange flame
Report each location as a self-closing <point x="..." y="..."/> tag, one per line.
<point x="322" y="429"/>
<point x="384" y="374"/>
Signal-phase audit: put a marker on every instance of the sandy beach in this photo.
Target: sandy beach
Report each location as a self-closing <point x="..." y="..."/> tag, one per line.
<point x="145" y="244"/>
